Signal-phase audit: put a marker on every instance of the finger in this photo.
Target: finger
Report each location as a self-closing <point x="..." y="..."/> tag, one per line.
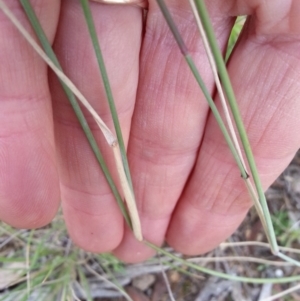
<point x="271" y="17"/>
<point x="29" y="187"/>
<point x="91" y="213"/>
<point x="264" y="71"/>
<point x="168" y="122"/>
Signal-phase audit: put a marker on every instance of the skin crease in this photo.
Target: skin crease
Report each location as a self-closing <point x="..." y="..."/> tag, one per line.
<point x="188" y="188"/>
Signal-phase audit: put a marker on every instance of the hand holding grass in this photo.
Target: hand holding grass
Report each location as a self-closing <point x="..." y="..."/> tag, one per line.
<point x="176" y="152"/>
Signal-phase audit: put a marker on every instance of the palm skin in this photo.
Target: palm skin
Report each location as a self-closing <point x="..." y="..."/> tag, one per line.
<point x="188" y="188"/>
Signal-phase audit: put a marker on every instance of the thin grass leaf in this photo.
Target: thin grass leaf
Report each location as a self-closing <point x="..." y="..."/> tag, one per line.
<point x="204" y="16"/>
<point x="261" y="202"/>
<point x="73" y="293"/>
<point x="166" y="280"/>
<point x="193" y="68"/>
<point x="264" y="214"/>
<point x="234" y="35"/>
<point x="56" y="262"/>
<point x="63" y="293"/>
<point x="39" y="248"/>
<point x="283" y="293"/>
<point x="257" y="244"/>
<point x="228" y="118"/>
<point x="106" y="83"/>
<point x="113" y="284"/>
<point x="89" y="135"/>
<point x="224" y="275"/>
<point x="85" y="284"/>
<point x="123" y="167"/>
<point x="240" y="259"/>
<point x="10" y="238"/>
<point x="12" y="259"/>
<point x="28" y="264"/>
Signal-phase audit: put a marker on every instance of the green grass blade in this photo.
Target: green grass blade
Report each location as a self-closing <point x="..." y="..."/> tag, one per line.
<point x="79" y="114"/>
<point x="228" y="138"/>
<point x="234" y="35"/>
<point x="120" y="153"/>
<point x="85" y="284"/>
<point x="92" y="31"/>
<point x="288" y="259"/>
<point x="265" y="214"/>
<point x="224" y="275"/>
<point x="204" y="16"/>
<point x="193" y="68"/>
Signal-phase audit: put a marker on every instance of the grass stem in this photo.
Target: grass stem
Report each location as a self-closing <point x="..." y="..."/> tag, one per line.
<point x="125" y="182"/>
<point x="223" y="275"/>
<point x="222" y="70"/>
<point x="193" y="68"/>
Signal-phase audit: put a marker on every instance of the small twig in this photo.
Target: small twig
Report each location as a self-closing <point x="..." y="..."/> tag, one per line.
<point x="166" y="281"/>
<point x="258" y="244"/>
<point x="113" y="285"/>
<point x="73" y="294"/>
<point x="28" y="269"/>
<point x="221" y="274"/>
<point x="283" y="293"/>
<point x="288" y="259"/>
<point x="10" y="238"/>
<point x="240" y="259"/>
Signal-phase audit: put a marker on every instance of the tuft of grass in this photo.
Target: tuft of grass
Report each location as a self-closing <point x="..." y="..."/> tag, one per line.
<point x="55" y="264"/>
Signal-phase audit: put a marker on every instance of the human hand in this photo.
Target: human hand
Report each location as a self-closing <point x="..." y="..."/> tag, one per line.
<point x="188" y="189"/>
